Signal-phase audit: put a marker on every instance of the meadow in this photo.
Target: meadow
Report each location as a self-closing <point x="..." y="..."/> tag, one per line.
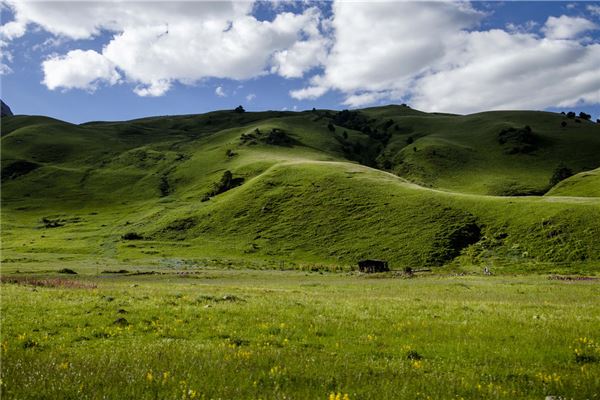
<point x="215" y="255"/>
<point x="214" y="333"/>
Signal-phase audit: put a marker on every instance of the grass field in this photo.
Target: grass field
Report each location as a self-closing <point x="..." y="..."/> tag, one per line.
<point x="238" y="235"/>
<point x="241" y="334"/>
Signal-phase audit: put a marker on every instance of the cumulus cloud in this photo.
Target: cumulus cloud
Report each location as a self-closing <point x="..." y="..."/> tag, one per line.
<point x="499" y="70"/>
<point x="363" y="99"/>
<point x="432" y="55"/>
<point x="155" y="44"/>
<point x="79" y="69"/>
<point x="220" y="92"/>
<point x="308" y="93"/>
<point x="154" y="88"/>
<point x="379" y="47"/>
<point x="565" y="27"/>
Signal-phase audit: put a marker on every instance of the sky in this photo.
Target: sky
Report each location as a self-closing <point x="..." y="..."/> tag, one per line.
<point x="109" y="60"/>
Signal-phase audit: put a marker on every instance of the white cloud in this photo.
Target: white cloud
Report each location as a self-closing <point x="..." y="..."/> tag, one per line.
<point x="303" y="55"/>
<point x="528" y="26"/>
<point x="250" y="97"/>
<point x="498" y="70"/>
<point x="155" y="44"/>
<point x="12" y="30"/>
<point x="565" y="27"/>
<point x="382" y="45"/>
<point x="309" y="93"/>
<point x="431" y="55"/>
<point x="79" y="69"/>
<point x="594" y="9"/>
<point x="363" y="99"/>
<point x="220" y="92"/>
<point x="155" y="88"/>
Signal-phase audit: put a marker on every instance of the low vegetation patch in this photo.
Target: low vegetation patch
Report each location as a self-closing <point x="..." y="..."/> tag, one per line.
<point x="17" y="169"/>
<point x="67" y="271"/>
<point x="226" y="183"/>
<point x="132" y="236"/>
<point x="47" y="282"/>
<point x="518" y="140"/>
<point x="274" y="137"/>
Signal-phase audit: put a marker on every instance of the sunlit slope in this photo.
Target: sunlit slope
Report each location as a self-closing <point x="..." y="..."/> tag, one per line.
<point x="342" y="212"/>
<point x="584" y="184"/>
<point x="71" y="192"/>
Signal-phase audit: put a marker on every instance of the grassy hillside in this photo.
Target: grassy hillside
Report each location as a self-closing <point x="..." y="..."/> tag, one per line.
<point x="584" y="184"/>
<point x="304" y="189"/>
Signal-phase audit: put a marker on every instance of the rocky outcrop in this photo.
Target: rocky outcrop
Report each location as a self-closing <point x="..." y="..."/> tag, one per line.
<point x="5" y="112"/>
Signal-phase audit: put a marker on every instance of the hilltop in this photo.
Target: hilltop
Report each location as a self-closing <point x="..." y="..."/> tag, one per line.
<point x="305" y="188"/>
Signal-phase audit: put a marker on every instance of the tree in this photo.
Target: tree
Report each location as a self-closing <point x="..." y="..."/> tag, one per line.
<point x="331" y="127"/>
<point x="345" y="135"/>
<point x="570" y="114"/>
<point x="560" y="173"/>
<point x="563" y="124"/>
<point x="239" y="109"/>
<point x="225" y="183"/>
<point x="585" y="116"/>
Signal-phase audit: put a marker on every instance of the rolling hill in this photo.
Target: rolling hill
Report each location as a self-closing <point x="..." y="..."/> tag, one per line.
<point x="310" y="188"/>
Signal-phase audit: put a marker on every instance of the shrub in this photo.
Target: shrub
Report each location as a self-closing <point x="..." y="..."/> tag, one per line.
<point x="563" y="124"/>
<point x="67" y="271"/>
<point x="331" y="127"/>
<point x="132" y="236"/>
<point x="413" y="355"/>
<point x="518" y="140"/>
<point x="278" y="137"/>
<point x="239" y="109"/>
<point x="585" y="116"/>
<point x="226" y="183"/>
<point x="560" y="173"/>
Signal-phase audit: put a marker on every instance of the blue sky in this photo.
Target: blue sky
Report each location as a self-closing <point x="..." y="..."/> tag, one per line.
<point x="77" y="62"/>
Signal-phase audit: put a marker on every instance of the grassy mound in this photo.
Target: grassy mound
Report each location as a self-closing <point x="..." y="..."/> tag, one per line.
<point x="584" y="184"/>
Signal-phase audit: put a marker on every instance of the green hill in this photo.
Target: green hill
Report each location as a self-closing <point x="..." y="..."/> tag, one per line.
<point x="309" y="188"/>
<point x="584" y="184"/>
